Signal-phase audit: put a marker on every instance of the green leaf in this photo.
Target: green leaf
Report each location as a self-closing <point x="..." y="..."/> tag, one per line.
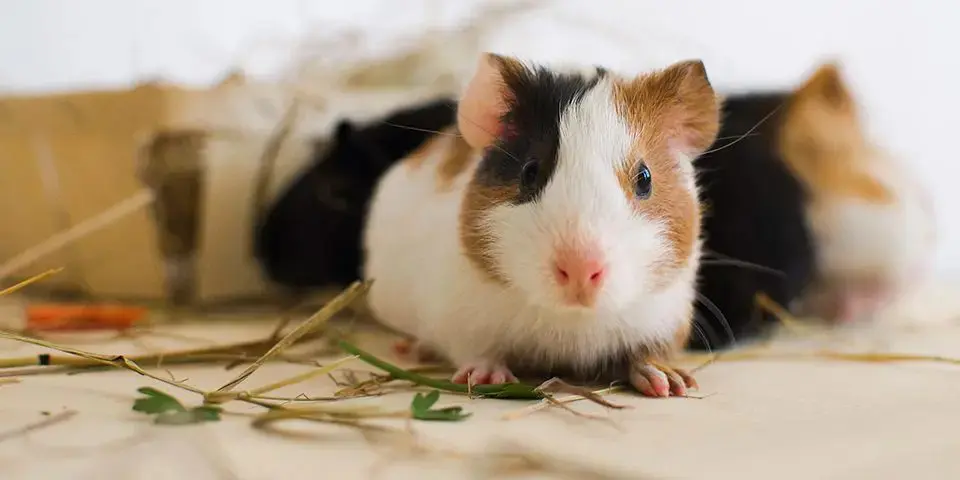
<point x="424" y="402"/>
<point x="156" y="402"/>
<point x="187" y="417"/>
<point x="167" y="410"/>
<point x="449" y="414"/>
<point x="421" y="405"/>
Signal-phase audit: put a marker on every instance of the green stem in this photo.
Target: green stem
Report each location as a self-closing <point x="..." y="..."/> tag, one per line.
<point x="505" y="391"/>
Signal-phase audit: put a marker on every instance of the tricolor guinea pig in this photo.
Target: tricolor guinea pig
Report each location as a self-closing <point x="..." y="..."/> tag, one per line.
<point x="310" y="236"/>
<point x="555" y="230"/>
<point x="800" y="206"/>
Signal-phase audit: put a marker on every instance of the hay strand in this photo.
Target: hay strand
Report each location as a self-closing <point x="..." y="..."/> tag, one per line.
<point x="505" y="391"/>
<point x="84" y="228"/>
<point x="33" y="279"/>
<point x="299" y="378"/>
<point x="315" y="321"/>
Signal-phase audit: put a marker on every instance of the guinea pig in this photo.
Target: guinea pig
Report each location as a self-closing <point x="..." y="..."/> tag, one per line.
<point x="310" y="236"/>
<point x="870" y="216"/>
<point x="799" y="206"/>
<point x="756" y="237"/>
<point x="554" y="231"/>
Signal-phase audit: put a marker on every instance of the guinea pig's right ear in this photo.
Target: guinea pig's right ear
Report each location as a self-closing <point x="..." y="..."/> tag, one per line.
<point x="486" y="99"/>
<point x="680" y="101"/>
<point x="827" y="88"/>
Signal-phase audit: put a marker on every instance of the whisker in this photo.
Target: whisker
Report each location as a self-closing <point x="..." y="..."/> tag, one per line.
<point x="738" y="263"/>
<point x="698" y="330"/>
<point x="719" y="315"/>
<point x="417" y="129"/>
<point x="728" y="260"/>
<point x="494" y="136"/>
<point x="749" y="132"/>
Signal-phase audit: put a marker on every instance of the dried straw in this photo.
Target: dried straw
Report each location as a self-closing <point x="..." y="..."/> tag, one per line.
<point x="84" y="228"/>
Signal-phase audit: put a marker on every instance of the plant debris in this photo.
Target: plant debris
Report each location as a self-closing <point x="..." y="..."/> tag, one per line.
<point x="314" y="322"/>
<point x="555" y="385"/>
<point x="167" y="410"/>
<point x="33" y="279"/>
<point x="505" y="391"/>
<point x="46" y="422"/>
<point x="421" y="408"/>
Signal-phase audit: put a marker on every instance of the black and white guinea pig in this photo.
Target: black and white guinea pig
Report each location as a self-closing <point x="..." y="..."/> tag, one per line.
<point x="801" y="206"/>
<point x="310" y="236"/>
<point x="555" y="229"/>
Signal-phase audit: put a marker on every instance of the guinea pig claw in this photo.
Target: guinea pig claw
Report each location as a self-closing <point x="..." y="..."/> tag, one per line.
<point x="654" y="379"/>
<point x="484" y="373"/>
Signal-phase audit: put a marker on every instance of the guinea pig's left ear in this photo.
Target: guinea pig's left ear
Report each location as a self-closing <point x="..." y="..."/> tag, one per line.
<point x="486" y="99"/>
<point x="685" y="106"/>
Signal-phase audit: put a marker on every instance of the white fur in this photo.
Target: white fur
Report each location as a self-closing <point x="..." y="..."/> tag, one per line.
<point x="424" y="285"/>
<point x="894" y="241"/>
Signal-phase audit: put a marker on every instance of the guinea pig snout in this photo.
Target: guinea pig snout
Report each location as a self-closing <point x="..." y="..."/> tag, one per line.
<point x="580" y="272"/>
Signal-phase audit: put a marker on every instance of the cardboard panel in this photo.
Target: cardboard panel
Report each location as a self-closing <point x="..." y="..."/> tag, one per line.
<point x="26" y="213"/>
<point x="90" y="140"/>
<point x="226" y="268"/>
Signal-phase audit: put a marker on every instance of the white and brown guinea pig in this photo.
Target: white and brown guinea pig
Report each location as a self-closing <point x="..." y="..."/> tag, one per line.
<point x="870" y="218"/>
<point x="554" y="231"/>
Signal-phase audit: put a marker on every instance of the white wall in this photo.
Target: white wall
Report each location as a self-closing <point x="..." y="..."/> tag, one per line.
<point x="899" y="55"/>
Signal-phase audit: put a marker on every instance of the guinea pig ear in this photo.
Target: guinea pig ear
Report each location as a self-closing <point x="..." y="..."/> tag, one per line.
<point x="827" y="87"/>
<point x="822" y="141"/>
<point x="486" y="99"/>
<point x="343" y="131"/>
<point x="685" y="106"/>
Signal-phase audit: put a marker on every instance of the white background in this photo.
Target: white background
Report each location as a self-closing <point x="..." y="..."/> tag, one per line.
<point x="901" y="57"/>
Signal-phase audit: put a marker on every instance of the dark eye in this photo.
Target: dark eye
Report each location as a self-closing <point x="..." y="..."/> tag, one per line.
<point x="644" y="183"/>
<point x="528" y="176"/>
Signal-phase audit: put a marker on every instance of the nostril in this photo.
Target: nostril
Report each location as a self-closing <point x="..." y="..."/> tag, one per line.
<point x="597" y="276"/>
<point x="561" y="274"/>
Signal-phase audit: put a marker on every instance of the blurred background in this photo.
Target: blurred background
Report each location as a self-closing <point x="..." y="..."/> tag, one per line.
<point x="79" y="78"/>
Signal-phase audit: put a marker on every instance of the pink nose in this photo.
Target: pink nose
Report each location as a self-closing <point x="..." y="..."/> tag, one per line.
<point x="580" y="273"/>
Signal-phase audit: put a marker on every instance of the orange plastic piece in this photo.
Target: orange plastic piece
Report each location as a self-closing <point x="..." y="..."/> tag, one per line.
<point x="54" y="317"/>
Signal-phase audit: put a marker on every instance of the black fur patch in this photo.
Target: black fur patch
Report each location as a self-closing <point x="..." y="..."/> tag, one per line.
<point x="311" y="236"/>
<point x="754" y="213"/>
<point x="536" y="100"/>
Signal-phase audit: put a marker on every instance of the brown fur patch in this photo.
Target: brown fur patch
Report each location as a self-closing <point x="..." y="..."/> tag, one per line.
<point x="424" y="151"/>
<point x="476" y="241"/>
<point x="821" y="140"/>
<point x="460" y="155"/>
<point x="672" y="110"/>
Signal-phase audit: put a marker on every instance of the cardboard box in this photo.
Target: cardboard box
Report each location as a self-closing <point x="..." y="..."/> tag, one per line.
<point x="70" y="157"/>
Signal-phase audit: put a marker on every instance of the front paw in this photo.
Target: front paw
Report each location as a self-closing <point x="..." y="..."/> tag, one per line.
<point x="484" y="372"/>
<point x="654" y="379"/>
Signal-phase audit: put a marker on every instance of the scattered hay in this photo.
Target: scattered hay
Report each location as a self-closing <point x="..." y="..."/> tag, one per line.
<point x="46" y="422"/>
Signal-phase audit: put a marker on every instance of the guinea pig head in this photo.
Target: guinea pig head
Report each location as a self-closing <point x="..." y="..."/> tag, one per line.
<point x="585" y="196"/>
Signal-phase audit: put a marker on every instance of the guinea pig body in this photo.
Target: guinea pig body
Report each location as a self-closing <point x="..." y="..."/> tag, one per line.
<point x="555" y="230"/>
<point x="756" y="234"/>
<point x="801" y="207"/>
<point x="868" y="213"/>
<point x="311" y="236"/>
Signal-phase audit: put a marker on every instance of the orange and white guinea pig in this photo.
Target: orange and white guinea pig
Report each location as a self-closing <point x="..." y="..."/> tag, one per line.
<point x="555" y="230"/>
<point x="871" y="218"/>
